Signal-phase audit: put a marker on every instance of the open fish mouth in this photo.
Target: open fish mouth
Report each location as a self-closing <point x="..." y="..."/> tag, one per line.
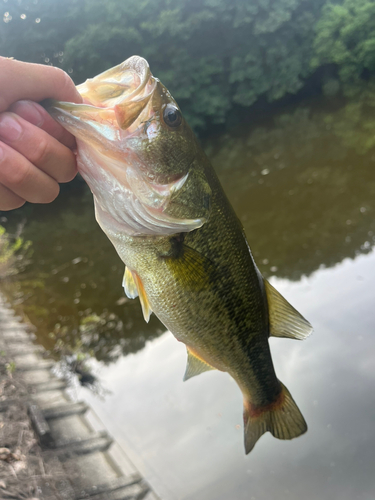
<point x="115" y="103"/>
<point x="119" y="116"/>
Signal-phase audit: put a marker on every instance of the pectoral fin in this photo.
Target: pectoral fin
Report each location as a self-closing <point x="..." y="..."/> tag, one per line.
<point x="195" y="365"/>
<point x="192" y="269"/>
<point x="133" y="288"/>
<point x="129" y="285"/>
<point x="284" y="320"/>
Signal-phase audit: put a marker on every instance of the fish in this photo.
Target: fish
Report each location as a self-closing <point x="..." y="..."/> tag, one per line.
<point x="186" y="255"/>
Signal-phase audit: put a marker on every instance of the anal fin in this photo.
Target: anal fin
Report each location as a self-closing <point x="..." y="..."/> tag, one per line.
<point x="195" y="365"/>
<point x="285" y="321"/>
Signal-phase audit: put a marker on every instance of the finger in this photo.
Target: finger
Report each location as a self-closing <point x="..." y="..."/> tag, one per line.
<point x="24" y="179"/>
<point x="34" y="113"/>
<point x="9" y="200"/>
<point x="35" y="82"/>
<point x="38" y="147"/>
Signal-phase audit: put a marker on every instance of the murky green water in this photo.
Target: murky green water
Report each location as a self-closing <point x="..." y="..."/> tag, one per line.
<point x="306" y="198"/>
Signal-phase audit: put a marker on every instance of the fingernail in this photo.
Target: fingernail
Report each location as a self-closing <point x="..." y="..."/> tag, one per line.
<point x="10" y="129"/>
<point x="28" y="111"/>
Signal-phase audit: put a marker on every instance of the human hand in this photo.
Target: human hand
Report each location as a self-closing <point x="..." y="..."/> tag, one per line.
<point x="35" y="151"/>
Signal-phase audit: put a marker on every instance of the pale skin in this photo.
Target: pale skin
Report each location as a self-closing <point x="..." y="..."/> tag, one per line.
<point x="36" y="153"/>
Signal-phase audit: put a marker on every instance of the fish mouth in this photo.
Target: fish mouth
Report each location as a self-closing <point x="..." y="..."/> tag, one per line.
<point x="118" y="112"/>
<point x="115" y="104"/>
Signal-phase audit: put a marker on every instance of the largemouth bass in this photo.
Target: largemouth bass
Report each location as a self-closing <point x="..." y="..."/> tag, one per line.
<point x="160" y="203"/>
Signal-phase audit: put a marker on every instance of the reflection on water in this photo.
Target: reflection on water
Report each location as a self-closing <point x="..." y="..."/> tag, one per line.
<point x="72" y="292"/>
<point x="307" y="201"/>
<point x="188" y="436"/>
<point x="305" y="198"/>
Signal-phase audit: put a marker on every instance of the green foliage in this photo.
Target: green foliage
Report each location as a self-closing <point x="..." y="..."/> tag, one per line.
<point x="13" y="250"/>
<point x="10" y="367"/>
<point x="212" y="54"/>
<point x="305" y="197"/>
<point x="61" y="291"/>
<point x="345" y="37"/>
<point x="355" y="122"/>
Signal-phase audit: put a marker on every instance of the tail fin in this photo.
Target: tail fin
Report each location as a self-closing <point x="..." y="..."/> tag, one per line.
<point x="282" y="419"/>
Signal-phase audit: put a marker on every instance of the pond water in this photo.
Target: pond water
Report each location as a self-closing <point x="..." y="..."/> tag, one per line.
<point x="306" y="198"/>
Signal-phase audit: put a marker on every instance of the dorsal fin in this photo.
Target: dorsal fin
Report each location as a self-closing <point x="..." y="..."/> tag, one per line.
<point x="285" y="321"/>
<point x="129" y="284"/>
<point x="133" y="288"/>
<point x="195" y="365"/>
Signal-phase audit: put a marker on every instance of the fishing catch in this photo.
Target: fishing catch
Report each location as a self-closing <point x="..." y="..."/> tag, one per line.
<point x="159" y="201"/>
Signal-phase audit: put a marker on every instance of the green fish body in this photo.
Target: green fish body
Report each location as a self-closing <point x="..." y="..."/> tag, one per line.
<point x="185" y="251"/>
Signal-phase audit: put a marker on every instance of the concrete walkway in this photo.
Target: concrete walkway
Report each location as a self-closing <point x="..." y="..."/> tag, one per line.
<point x="49" y="447"/>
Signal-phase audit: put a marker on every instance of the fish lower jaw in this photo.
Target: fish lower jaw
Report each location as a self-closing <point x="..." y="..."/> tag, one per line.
<point x="125" y="202"/>
<point x="120" y="211"/>
<point x="141" y="224"/>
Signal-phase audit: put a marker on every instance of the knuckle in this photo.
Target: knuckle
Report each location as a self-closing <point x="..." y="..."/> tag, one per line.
<point x="41" y="150"/>
<point x="19" y="175"/>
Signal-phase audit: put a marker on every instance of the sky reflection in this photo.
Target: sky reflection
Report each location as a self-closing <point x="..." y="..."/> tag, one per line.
<point x="306" y="200"/>
<point x="190" y="435"/>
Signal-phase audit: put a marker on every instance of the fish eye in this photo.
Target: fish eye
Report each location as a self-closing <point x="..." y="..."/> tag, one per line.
<point x="172" y="116"/>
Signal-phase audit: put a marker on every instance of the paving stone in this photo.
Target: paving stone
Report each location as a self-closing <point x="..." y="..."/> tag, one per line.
<point x="74" y="456"/>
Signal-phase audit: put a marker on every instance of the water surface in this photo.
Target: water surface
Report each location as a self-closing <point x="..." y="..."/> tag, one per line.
<point x="306" y="198"/>
<point x="189" y="436"/>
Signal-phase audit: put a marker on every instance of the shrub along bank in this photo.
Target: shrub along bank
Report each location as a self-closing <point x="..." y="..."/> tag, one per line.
<point x="214" y="55"/>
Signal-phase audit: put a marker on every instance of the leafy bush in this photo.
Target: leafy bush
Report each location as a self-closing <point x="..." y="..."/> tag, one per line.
<point x="212" y="54"/>
<point x="345" y="37"/>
